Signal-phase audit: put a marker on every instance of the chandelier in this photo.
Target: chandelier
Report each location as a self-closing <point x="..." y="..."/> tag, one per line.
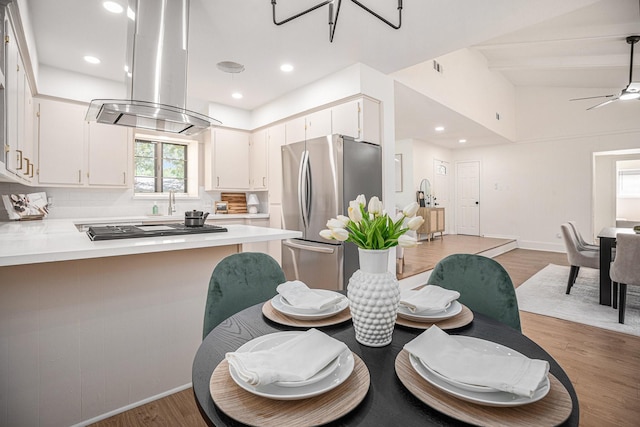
<point x="334" y="11"/>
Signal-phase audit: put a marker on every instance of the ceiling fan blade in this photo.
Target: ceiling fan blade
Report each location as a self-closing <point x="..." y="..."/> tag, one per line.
<point x="602" y="104"/>
<point x="592" y="97"/>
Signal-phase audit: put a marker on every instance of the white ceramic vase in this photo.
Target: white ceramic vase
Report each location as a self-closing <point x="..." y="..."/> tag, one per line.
<point x="374" y="295"/>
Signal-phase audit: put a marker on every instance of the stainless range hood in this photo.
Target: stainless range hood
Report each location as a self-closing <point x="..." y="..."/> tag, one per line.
<point x="157" y="72"/>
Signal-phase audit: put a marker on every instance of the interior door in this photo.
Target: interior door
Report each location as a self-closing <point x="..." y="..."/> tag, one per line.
<point x="468" y="198"/>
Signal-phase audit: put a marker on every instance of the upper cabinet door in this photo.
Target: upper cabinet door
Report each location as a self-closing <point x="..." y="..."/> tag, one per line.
<point x="319" y="124"/>
<point x="345" y="119"/>
<point x="230" y="159"/>
<point x="61" y="142"/>
<point x="295" y="130"/>
<point x="109" y="154"/>
<point x="276" y="138"/>
<point x="258" y="160"/>
<point x="359" y="119"/>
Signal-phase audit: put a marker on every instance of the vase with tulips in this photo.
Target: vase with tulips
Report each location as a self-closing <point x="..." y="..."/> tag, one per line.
<point x="373" y="290"/>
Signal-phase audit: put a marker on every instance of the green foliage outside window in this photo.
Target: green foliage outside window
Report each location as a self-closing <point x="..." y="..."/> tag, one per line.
<point x="160" y="167"/>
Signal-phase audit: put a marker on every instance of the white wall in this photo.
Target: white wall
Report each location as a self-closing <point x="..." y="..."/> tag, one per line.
<point x="467" y="86"/>
<point x="528" y="189"/>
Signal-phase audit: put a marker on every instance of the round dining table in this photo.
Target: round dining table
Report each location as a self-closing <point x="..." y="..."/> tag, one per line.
<point x="387" y="402"/>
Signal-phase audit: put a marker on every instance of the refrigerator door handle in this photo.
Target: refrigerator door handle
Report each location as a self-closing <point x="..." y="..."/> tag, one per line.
<point x="303" y="175"/>
<point x="323" y="250"/>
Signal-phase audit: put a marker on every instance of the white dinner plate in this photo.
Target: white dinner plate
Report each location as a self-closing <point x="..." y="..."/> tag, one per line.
<point x="453" y="309"/>
<point x="329" y="381"/>
<point x="288" y="310"/>
<point x="489" y="397"/>
<point x="479" y="345"/>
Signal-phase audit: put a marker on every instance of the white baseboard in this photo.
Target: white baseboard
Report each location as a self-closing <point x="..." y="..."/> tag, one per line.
<point x="131" y="406"/>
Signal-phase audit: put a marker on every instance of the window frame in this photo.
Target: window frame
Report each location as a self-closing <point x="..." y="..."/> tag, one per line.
<point x="191" y="167"/>
<point x="632" y="193"/>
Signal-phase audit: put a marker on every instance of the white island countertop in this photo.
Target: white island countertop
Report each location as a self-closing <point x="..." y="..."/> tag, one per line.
<point x="31" y="242"/>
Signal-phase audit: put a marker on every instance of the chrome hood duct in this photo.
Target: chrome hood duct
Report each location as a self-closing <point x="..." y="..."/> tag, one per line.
<point x="156" y="72"/>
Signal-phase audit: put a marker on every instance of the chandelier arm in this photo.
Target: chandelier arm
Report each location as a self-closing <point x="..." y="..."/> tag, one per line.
<point x="334" y="24"/>
<point x="631" y="64"/>
<point x="284" y="21"/>
<point x="397" y="27"/>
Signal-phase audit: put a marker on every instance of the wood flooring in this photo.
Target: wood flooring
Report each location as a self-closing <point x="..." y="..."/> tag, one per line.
<point x="603" y="365"/>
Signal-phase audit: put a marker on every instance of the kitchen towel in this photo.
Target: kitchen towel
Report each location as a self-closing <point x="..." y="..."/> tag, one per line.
<point x="449" y="357"/>
<point x="430" y="298"/>
<point x="300" y="296"/>
<point x="297" y="359"/>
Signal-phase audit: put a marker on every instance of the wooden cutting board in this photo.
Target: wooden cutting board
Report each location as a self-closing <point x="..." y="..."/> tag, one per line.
<point x="236" y="202"/>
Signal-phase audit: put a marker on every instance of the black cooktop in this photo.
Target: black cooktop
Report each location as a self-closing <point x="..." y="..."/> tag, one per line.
<point x="111" y="232"/>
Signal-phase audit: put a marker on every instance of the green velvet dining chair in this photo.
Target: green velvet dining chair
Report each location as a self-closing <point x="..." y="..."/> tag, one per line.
<point x="484" y="286"/>
<point x="237" y="282"/>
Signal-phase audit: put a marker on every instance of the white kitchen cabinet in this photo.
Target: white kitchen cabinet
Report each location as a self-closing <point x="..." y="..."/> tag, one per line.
<point x="108" y="155"/>
<point x="276" y="137"/>
<point x="227" y="167"/>
<point x="295" y="130"/>
<point x="318" y="124"/>
<point x="258" y="160"/>
<point x="312" y="125"/>
<point x="359" y="119"/>
<point x="61" y="143"/>
<point x="19" y="112"/>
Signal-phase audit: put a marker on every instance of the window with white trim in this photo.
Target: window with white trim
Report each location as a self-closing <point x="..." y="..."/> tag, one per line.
<point x="629" y="183"/>
<point x="160" y="167"/>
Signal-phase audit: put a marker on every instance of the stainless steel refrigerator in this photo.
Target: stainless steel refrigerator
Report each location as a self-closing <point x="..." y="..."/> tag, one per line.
<point x="320" y="176"/>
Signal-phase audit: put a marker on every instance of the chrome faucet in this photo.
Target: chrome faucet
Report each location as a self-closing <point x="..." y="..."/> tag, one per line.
<point x="172" y="202"/>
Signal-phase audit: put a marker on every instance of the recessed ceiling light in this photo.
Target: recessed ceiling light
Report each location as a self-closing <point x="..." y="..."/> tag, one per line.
<point x="439" y="128"/>
<point x="287" y="68"/>
<point x="230" y="67"/>
<point x="236" y="95"/>
<point x="113" y="7"/>
<point x="91" y="59"/>
<point x="462" y="141"/>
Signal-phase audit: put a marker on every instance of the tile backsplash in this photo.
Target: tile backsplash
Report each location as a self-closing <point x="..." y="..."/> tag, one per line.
<point x="96" y="202"/>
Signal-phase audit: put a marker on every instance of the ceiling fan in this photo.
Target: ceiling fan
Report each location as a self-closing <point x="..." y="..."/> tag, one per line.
<point x="632" y="91"/>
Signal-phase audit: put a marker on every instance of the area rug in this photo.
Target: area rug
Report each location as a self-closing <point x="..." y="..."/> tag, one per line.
<point x="544" y="293"/>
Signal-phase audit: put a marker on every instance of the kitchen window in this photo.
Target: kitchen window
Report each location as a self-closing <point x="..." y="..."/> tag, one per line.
<point x="160" y="167"/>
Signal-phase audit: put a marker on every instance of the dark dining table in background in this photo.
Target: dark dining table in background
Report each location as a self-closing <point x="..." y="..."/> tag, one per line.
<point x="607" y="238"/>
<point x="388" y="402"/>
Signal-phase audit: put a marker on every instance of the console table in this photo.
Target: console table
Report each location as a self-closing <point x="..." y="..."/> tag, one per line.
<point x="433" y="221"/>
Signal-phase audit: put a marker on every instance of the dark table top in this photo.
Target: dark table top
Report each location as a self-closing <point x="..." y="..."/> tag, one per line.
<point x="611" y="232"/>
<point x="388" y="402"/>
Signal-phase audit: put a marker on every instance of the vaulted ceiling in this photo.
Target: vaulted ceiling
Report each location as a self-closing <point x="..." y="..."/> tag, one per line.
<point x="572" y="43"/>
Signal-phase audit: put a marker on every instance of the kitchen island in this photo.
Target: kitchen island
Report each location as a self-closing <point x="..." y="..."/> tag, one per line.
<point x="88" y="329"/>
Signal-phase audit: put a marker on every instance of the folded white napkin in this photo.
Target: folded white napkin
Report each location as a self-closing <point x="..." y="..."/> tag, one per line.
<point x="449" y="357"/>
<point x="297" y="359"/>
<point x="430" y="297"/>
<point x="300" y="296"/>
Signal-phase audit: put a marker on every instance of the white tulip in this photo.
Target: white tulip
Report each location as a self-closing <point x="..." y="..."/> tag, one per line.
<point x="355" y="214"/>
<point x="334" y="223"/>
<point x="343" y="219"/>
<point x="411" y="209"/>
<point x="326" y="233"/>
<point x="415" y="222"/>
<point x="375" y="206"/>
<point x="361" y="200"/>
<point x="407" y="241"/>
<point x="340" y="234"/>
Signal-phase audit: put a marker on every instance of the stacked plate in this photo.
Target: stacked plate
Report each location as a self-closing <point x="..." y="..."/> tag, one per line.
<point x="280" y="304"/>
<point x="476" y="393"/>
<point x="328" y="378"/>
<point x="430" y="316"/>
